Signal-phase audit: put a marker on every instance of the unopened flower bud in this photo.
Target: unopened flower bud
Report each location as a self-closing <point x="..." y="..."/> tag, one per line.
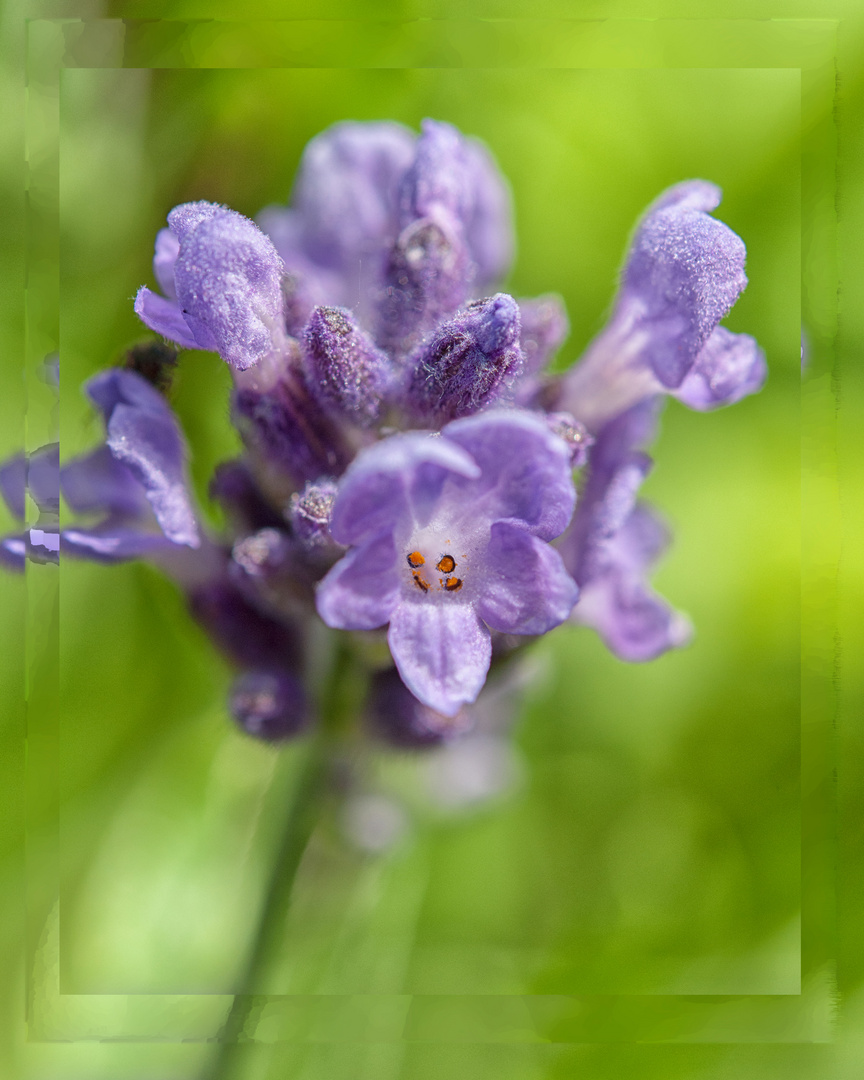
<point x="269" y="705"/>
<point x="397" y="717"/>
<point x="310" y="514"/>
<point x="343" y="366"/>
<point x="469" y="362"/>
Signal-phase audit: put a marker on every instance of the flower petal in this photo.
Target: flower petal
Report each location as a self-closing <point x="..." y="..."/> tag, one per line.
<point x="489" y="222"/>
<point x="13" y="482"/>
<point x="393" y="481"/>
<point x="467" y="363"/>
<point x="164" y="258"/>
<point x="526" y="473"/>
<point x="346" y="190"/>
<point x="634" y="621"/>
<point x="684" y="272"/>
<point x="99" y="483"/>
<point x="362" y="589"/>
<point x="165" y="317"/>
<point x="228" y="278"/>
<point x="144" y="435"/>
<point x="728" y="367"/>
<point x="43" y="477"/>
<point x="525" y="588"/>
<point x="112" y="541"/>
<point x="442" y="651"/>
<point x="13" y="553"/>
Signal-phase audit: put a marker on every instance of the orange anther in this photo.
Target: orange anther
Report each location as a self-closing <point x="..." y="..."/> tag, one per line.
<point x="453" y="584"/>
<point x="415" y="559"/>
<point x="420" y="583"/>
<point x="446" y="564"/>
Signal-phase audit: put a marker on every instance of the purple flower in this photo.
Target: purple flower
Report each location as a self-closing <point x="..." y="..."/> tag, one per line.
<point x="684" y="272"/>
<point x="370" y="306"/>
<point x="134" y="484"/>
<point x="614" y="541"/>
<point x="222" y="280"/>
<point x="448" y="541"/>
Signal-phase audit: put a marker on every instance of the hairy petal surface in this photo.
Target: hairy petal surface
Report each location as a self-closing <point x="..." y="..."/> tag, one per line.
<point x="442" y="652"/>
<point x="469" y="362"/>
<point x="685" y="271"/>
<point x="228" y="279"/>
<point x="343" y="366"/>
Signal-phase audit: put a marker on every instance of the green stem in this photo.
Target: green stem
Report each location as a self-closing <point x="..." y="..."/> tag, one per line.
<point x="302" y="814"/>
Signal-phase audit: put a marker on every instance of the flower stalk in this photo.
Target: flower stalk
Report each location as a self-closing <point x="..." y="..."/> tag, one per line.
<point x="341" y="694"/>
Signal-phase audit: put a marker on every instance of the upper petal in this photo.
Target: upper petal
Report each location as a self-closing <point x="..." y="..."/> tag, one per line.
<point x="393" y="482"/>
<point x="524" y="587"/>
<point x="442" y="651"/>
<point x="362" y="589"/>
<point x="684" y="272"/>
<point x="346" y="190"/>
<point x="525" y="469"/>
<point x="228" y="278"/>
<point x="489" y="223"/>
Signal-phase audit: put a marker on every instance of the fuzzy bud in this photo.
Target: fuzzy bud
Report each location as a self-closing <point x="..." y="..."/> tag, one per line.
<point x="469" y="362"/>
<point x="347" y="372"/>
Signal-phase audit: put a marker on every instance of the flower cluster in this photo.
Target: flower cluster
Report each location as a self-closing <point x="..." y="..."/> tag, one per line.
<point x="408" y="464"/>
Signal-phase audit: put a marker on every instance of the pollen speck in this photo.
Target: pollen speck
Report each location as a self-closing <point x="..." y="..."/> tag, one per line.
<point x="420" y="583"/>
<point x="453" y="584"/>
<point x="415" y="559"/>
<point x="446" y="564"/>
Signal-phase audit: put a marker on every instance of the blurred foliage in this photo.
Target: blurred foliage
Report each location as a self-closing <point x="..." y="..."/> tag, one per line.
<point x="649" y="843"/>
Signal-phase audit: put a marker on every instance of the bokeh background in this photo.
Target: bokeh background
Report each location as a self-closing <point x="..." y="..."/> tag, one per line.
<point x="620" y="853"/>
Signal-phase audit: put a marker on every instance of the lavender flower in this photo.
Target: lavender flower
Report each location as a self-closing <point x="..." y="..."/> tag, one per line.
<point x="222" y="280"/>
<point x="684" y="272"/>
<point x="448" y="542"/>
<point x="407" y="462"/>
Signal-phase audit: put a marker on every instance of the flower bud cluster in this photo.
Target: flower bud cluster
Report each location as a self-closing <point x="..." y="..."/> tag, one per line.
<point x="408" y="465"/>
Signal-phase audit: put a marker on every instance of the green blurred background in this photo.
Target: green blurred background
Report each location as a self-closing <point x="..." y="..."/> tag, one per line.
<point x="635" y="875"/>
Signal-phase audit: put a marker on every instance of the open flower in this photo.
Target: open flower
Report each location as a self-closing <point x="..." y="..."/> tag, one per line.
<point x="222" y="281"/>
<point x="448" y="541"/>
<point x="684" y="271"/>
<point x="367" y="309"/>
